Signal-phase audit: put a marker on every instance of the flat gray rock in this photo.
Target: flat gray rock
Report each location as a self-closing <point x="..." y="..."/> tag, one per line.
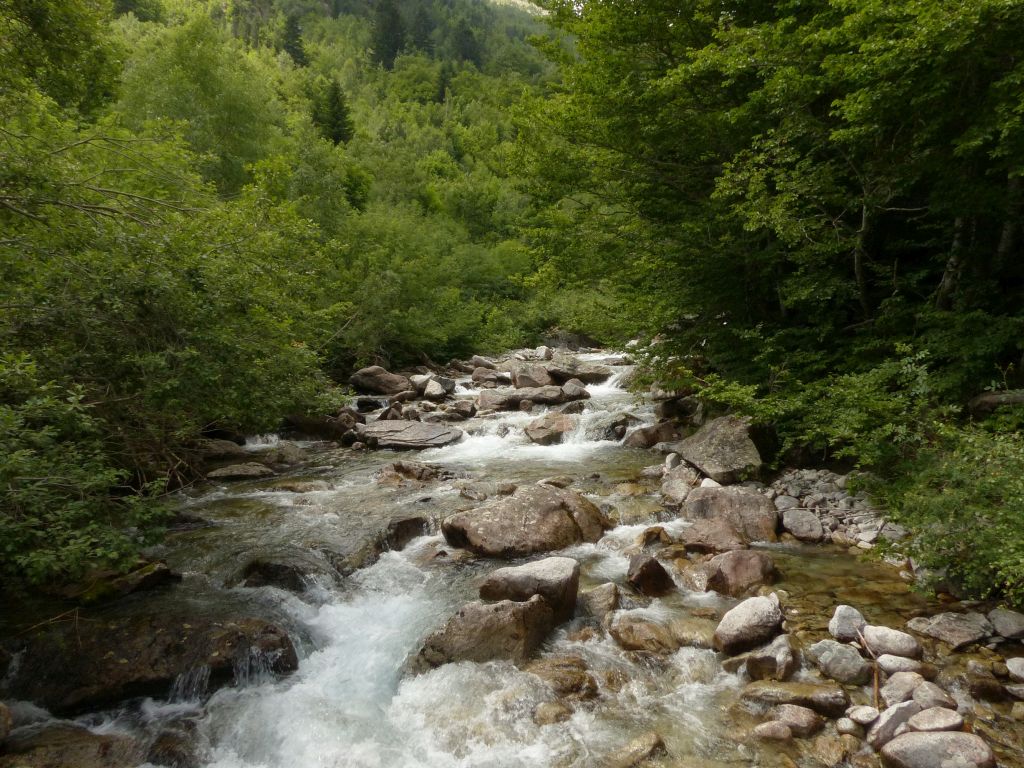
<point x="245" y="471"/>
<point x="936" y="719"/>
<point x="407" y="435"/>
<point x="842" y="663"/>
<point x="956" y="629"/>
<point x="749" y="513"/>
<point x="929" y="695"/>
<point x="931" y="750"/>
<point x="1007" y="623"/>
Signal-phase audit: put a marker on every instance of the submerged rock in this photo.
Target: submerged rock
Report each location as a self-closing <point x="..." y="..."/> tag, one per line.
<point x="536" y="518"/>
<point x="775" y="661"/>
<point x="722" y="450"/>
<point x="141" y="656"/>
<point x="600" y="601"/>
<point x="556" y="579"/>
<point x="801" y="721"/>
<point x="484" y="632"/>
<point x="567" y="675"/>
<point x="637" y="752"/>
<point x="635" y="632"/>
<point x="826" y="699"/>
<point x="247" y="471"/>
<point x="407" y="435"/>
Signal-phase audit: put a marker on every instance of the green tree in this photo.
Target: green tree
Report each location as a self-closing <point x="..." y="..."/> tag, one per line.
<point x="331" y="114"/>
<point x="388" y="33"/>
<point x="293" y="41"/>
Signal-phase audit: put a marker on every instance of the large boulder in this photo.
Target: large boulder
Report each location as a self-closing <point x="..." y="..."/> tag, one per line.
<point x="753" y="622"/>
<point x="648" y="437"/>
<point x="803" y="524"/>
<point x="407" y="435"/>
<point x="250" y="470"/>
<point x="489" y="377"/>
<point x="551" y="428"/>
<point x="1007" y="623"/>
<point x="73" y="666"/>
<point x="927" y="750"/>
<point x="735" y="573"/>
<point x="532" y="376"/>
<point x="537" y="518"/>
<point x="484" y="632"/>
<point x="722" y="450"/>
<point x="882" y="640"/>
<point x="556" y="579"/>
<point x="710" y="536"/>
<point x="377" y="381"/>
<point x="635" y="632"/>
<point x="508" y="399"/>
<point x="751" y="514"/>
<point x="955" y="629"/>
<point x="562" y="369"/>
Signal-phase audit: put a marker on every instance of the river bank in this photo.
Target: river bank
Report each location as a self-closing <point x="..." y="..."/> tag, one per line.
<point x="308" y="590"/>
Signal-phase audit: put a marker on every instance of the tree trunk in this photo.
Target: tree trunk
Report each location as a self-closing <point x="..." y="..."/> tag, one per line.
<point x="859" y="257"/>
<point x="1011" y="225"/>
<point x="954" y="266"/>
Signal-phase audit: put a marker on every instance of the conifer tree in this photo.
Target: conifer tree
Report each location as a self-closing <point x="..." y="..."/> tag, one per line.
<point x="331" y="115"/>
<point x="293" y="42"/>
<point x="388" y="33"/>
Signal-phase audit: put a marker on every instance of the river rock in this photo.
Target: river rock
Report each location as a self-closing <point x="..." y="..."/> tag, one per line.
<point x="375" y="380"/>
<point x="247" y="471"/>
<point x="928" y="750"/>
<point x="803" y="524"/>
<point x="751" y="623"/>
<point x="403" y="529"/>
<point x="266" y="573"/>
<point x="509" y="399"/>
<point x="710" y="537"/>
<point x="842" y="663"/>
<point x="936" y="719"/>
<point x="889" y="722"/>
<point x="678" y="483"/>
<point x="1007" y="623"/>
<point x="892" y="664"/>
<point x="648" y="576"/>
<point x="567" y="675"/>
<point x="956" y="629"/>
<point x="636" y="752"/>
<point x="929" y="695"/>
<point x="490" y="377"/>
<point x="648" y="437"/>
<point x="556" y="579"/>
<point x="536" y="518"/>
<point x="600" y="601"/>
<point x="751" y="514"/>
<point x="846" y="624"/>
<point x="773" y="730"/>
<point x="900" y="687"/>
<point x="478" y="361"/>
<point x="826" y="699"/>
<point x="220" y="450"/>
<point x="66" y="745"/>
<point x="140" y="656"/>
<point x="1015" y="667"/>
<point x="863" y="715"/>
<point x="892" y="641"/>
<point x="801" y="721"/>
<point x="483" y="632"/>
<point x="722" y="450"/>
<point x="435" y="390"/>
<point x="285" y="453"/>
<point x="6" y="722"/>
<point x="407" y="435"/>
<point x="532" y="376"/>
<point x="634" y="632"/>
<point x="575" y="390"/>
<point x="775" y="661"/>
<point x="550" y="429"/>
<point x="551" y="712"/>
<point x="735" y="573"/>
<point x="564" y="369"/>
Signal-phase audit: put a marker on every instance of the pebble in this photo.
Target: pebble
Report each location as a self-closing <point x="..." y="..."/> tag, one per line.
<point x="862" y="715"/>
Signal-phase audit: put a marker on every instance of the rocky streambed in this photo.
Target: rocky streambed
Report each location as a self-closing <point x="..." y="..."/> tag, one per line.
<point x="548" y="574"/>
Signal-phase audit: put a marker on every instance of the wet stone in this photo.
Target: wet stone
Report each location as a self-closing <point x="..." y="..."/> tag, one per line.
<point x="900" y="687"/>
<point x="1007" y="623"/>
<point x="884" y="640"/>
<point x="637" y="751"/>
<point x="956" y="629"/>
<point x="846" y="623"/>
<point x="775" y="661"/>
<point x="892" y="664"/>
<point x="801" y="721"/>
<point x="828" y="700"/>
<point x="936" y="719"/>
<point x="889" y="722"/>
<point x="840" y="662"/>
<point x="929" y="695"/>
<point x="929" y="750"/>
<point x="862" y="715"/>
<point x="648" y="576"/>
<point x="773" y="730"/>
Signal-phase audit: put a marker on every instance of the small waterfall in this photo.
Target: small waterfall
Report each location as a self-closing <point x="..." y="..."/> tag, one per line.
<point x="191" y="685"/>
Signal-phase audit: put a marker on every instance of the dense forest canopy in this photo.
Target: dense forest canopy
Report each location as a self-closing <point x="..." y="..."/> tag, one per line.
<point x="212" y="212"/>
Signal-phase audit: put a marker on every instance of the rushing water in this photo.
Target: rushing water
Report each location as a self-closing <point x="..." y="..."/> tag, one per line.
<point x="351" y="705"/>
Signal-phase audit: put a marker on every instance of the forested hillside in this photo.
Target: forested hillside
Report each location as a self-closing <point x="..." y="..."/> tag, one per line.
<point x="212" y="212"/>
